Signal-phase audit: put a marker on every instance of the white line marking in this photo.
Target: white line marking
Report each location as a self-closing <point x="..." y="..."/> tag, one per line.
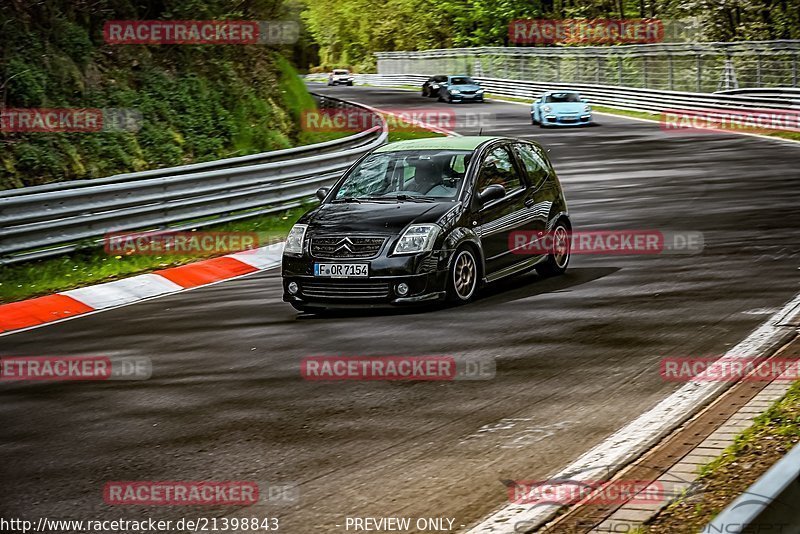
<point x="124" y="291"/>
<point x="645" y="431"/>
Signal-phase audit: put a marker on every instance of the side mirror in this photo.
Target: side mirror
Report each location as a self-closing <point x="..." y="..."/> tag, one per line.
<point x="584" y="100"/>
<point x="492" y="192"/>
<point x="538" y="101"/>
<point x="477" y="83"/>
<point x="322" y="192"/>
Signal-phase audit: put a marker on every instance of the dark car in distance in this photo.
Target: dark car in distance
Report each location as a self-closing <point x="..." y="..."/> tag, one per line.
<point x="431" y="86"/>
<point x="426" y="220"/>
<point x="460" y="89"/>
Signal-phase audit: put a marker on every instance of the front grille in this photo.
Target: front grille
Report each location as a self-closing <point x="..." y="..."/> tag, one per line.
<point x="468" y="92"/>
<point x="345" y="289"/>
<point x="346" y="247"/>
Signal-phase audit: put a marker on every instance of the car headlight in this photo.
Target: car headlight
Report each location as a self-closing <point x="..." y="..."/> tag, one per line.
<point x="294" y="241"/>
<point x="435" y="86"/>
<point x="417" y="238"/>
<point x="455" y="92"/>
<point x="479" y="91"/>
<point x="587" y="108"/>
<point x="547" y="109"/>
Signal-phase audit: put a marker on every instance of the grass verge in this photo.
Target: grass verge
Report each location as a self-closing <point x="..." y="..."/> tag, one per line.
<point x="753" y="452"/>
<point x="92" y="266"/>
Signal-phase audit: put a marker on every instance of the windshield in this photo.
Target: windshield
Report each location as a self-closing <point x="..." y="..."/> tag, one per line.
<point x="340" y="72"/>
<point x="431" y="174"/>
<point x="461" y="80"/>
<point x="563" y="97"/>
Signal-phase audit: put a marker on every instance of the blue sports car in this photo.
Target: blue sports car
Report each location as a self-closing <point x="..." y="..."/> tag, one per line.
<point x="561" y="108"/>
<point x="460" y="89"/>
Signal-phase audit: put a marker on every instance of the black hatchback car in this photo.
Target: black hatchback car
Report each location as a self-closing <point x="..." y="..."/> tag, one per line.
<point x="431" y="86"/>
<point x="426" y="220"/>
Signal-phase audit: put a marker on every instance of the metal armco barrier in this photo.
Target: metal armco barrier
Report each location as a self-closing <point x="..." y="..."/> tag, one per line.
<point x="629" y="98"/>
<point x="694" y="66"/>
<point x="769" y="505"/>
<point x="51" y="219"/>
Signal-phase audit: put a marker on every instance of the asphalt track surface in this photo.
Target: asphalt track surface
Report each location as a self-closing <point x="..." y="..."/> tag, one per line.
<point x="577" y="356"/>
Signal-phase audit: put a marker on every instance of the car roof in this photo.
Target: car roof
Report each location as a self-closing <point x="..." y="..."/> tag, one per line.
<point x="439" y="143"/>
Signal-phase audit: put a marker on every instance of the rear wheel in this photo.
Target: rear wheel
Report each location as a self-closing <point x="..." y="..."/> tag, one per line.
<point x="558" y="258"/>
<point x="463" y="278"/>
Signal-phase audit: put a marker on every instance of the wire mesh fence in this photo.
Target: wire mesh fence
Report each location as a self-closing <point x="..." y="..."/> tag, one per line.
<point x="696" y="67"/>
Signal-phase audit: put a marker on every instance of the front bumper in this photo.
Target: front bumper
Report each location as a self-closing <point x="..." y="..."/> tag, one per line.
<point x="569" y="120"/>
<point x="465" y="98"/>
<point x="425" y="274"/>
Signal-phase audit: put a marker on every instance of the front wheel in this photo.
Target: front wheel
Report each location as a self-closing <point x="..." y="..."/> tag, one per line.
<point x="558" y="258"/>
<point x="463" y="278"/>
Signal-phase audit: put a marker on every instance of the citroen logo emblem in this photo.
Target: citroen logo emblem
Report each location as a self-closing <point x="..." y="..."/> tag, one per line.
<point x="344" y="244"/>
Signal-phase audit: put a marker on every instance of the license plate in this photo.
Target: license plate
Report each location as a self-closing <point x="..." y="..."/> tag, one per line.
<point x="341" y="270"/>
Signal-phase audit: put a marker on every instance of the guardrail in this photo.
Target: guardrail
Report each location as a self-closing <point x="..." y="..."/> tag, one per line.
<point x="42" y="221"/>
<point x="769" y="505"/>
<point x="700" y="67"/>
<point x="629" y="98"/>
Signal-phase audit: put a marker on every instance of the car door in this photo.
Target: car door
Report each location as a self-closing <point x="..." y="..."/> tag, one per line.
<point x="499" y="218"/>
<point x="540" y="193"/>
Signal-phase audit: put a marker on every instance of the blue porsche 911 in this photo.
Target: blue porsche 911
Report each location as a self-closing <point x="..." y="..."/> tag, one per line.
<point x="561" y="108"/>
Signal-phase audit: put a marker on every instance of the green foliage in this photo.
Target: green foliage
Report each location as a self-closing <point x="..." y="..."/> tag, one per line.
<point x="197" y="102"/>
<point x="349" y="31"/>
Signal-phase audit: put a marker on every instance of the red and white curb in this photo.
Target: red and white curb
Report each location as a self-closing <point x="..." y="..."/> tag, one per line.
<point x="39" y="311"/>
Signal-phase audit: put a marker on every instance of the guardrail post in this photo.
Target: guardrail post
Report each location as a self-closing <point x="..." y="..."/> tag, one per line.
<point x="619" y="71"/>
<point x="597" y="74"/>
<point x="699" y="73"/>
<point x="794" y="69"/>
<point x="758" y="69"/>
<point x="670" y="73"/>
<point x="644" y="71"/>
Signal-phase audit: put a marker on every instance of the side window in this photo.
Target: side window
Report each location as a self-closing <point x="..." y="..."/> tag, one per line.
<point x="535" y="165"/>
<point x="497" y="168"/>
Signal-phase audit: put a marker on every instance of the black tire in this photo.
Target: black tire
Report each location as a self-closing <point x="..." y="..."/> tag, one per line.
<point x="533" y="121"/>
<point x="350" y="84"/>
<point x="424" y="93"/>
<point x="440" y="99"/>
<point x="558" y="258"/>
<point x="461" y="290"/>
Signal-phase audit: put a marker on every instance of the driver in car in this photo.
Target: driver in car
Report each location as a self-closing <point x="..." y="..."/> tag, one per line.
<point x="429" y="179"/>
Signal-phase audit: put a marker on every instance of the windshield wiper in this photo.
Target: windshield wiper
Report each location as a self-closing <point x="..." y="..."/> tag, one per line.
<point x="347" y="199"/>
<point x="401" y="198"/>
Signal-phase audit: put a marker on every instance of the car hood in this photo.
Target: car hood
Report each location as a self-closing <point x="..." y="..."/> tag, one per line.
<point x="374" y="217"/>
<point x="566" y="107"/>
<point x="466" y="87"/>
